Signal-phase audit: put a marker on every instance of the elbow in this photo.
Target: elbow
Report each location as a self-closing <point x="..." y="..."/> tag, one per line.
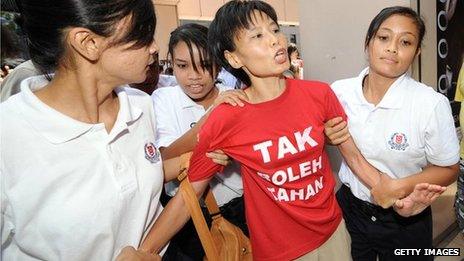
<point x="452" y="176"/>
<point x="455" y="172"/>
<point x="200" y="187"/>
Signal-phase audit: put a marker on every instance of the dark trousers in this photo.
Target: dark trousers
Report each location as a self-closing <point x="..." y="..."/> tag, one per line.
<point x="186" y="245"/>
<point x="378" y="232"/>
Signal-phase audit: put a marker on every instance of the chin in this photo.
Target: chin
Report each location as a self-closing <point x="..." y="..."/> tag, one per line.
<point x="196" y="96"/>
<point x="140" y="78"/>
<point x="389" y="72"/>
<point x="281" y="71"/>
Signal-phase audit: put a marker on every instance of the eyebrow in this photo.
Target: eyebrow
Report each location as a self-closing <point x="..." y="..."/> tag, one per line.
<point x="179" y="60"/>
<point x="406" y="32"/>
<point x="254" y="27"/>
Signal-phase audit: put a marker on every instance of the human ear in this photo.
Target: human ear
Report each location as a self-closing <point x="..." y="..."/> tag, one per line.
<point x="88" y="44"/>
<point x="233" y="59"/>
<point x="418" y="51"/>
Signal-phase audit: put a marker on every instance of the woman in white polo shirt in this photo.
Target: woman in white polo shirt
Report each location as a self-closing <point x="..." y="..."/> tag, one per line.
<point x="81" y="176"/>
<point x="177" y="111"/>
<point x="403" y="128"/>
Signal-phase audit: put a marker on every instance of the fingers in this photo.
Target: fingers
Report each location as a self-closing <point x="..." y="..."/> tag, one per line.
<point x="398" y="204"/>
<point x="219" y="157"/>
<point x="232" y="101"/>
<point x="422" y="186"/>
<point x="221" y="162"/>
<point x="437" y="188"/>
<point x="237" y="100"/>
<point x="217" y="154"/>
<point x="430" y="187"/>
<point x="429" y="190"/>
<point x="339" y="136"/>
<point x="340" y="126"/>
<point x="425" y="193"/>
<point x="332" y="122"/>
<point x="435" y="191"/>
<point x="240" y="94"/>
<point x="336" y="130"/>
<point x="434" y="197"/>
<point x="232" y="97"/>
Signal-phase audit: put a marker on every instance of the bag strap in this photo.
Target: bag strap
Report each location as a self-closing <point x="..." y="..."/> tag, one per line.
<point x="212" y="205"/>
<point x="191" y="200"/>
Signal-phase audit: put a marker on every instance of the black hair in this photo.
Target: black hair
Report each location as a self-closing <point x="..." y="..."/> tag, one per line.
<point x="230" y="18"/>
<point x="45" y="22"/>
<point x="9" y="43"/>
<point x="197" y="35"/>
<point x="390" y="11"/>
<point x="291" y="48"/>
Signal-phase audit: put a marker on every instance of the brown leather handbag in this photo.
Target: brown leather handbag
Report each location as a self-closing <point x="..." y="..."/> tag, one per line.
<point x="225" y="241"/>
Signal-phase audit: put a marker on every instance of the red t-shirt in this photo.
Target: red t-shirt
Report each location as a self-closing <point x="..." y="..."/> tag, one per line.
<point x="288" y="183"/>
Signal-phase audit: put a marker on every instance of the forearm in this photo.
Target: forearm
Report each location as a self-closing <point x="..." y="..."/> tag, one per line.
<point x="431" y="174"/>
<point x="185" y="143"/>
<point x="171" y="220"/>
<point x="367" y="173"/>
<point x="171" y="168"/>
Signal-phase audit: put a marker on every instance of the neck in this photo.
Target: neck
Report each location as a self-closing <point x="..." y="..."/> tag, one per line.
<point x="375" y="86"/>
<point x="81" y="96"/>
<point x="265" y="89"/>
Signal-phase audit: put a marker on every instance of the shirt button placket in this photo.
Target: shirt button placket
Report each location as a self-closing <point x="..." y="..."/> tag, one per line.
<point x="370" y="128"/>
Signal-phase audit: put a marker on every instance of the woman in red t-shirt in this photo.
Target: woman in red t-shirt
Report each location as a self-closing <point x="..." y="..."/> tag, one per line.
<point x="278" y="137"/>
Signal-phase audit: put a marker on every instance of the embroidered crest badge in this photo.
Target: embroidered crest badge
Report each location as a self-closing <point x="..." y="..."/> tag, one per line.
<point x="151" y="153"/>
<point x="398" y="141"/>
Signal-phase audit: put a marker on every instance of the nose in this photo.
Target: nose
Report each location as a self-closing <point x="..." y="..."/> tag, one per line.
<point x="273" y="38"/>
<point x="193" y="75"/>
<point x="392" y="47"/>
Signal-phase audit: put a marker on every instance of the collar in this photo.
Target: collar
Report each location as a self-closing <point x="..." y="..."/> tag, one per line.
<point x="57" y="127"/>
<point x="184" y="100"/>
<point x="127" y="112"/>
<point x="393" y="98"/>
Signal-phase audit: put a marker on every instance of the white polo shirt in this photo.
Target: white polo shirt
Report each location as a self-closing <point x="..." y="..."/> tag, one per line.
<point x="70" y="190"/>
<point x="411" y="126"/>
<point x="175" y="114"/>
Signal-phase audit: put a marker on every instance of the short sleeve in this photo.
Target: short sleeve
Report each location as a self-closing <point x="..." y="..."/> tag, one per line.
<point x="333" y="106"/>
<point x="213" y="135"/>
<point x="441" y="142"/>
<point x="166" y="132"/>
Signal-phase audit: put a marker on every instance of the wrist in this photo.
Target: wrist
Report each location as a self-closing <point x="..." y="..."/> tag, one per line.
<point x="398" y="188"/>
